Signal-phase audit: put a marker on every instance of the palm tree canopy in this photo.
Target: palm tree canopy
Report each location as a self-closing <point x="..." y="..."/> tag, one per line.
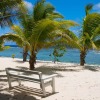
<point x="8" y="3"/>
<point x="34" y="24"/>
<point x="90" y="35"/>
<point x="43" y="10"/>
<point x="91" y="22"/>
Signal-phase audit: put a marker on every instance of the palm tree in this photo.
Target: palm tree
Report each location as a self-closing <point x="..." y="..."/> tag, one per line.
<point x="39" y="32"/>
<point x="90" y="38"/>
<point x="83" y="50"/>
<point x="90" y="34"/>
<point x="41" y="11"/>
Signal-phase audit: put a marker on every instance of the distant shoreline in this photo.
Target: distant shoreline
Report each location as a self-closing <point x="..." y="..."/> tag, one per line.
<point x="71" y="55"/>
<point x="48" y="61"/>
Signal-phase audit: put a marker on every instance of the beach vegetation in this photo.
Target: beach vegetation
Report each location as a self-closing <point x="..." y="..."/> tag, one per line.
<point x="41" y="29"/>
<point x="58" y="52"/>
<point x="44" y="28"/>
<point x="13" y="56"/>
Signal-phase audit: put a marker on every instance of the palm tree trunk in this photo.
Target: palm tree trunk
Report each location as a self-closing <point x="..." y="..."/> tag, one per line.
<point x="25" y="55"/>
<point x="32" y="61"/>
<point x="82" y="58"/>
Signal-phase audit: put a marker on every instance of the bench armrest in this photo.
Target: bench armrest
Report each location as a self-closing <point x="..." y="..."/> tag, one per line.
<point x="48" y="77"/>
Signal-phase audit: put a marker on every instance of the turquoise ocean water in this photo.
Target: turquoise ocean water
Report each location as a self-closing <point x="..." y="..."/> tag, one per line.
<point x="71" y="55"/>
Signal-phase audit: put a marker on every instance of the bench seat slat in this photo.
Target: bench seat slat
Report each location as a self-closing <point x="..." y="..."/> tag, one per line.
<point x="24" y="77"/>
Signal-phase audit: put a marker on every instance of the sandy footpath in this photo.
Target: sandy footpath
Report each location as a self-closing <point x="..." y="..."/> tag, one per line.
<point x="72" y="83"/>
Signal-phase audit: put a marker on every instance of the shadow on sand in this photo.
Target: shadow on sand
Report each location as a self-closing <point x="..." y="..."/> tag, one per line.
<point x="92" y="68"/>
<point x="45" y="69"/>
<point x="49" y="70"/>
<point x="19" y="61"/>
<point x="3" y="78"/>
<point x="16" y="96"/>
<point x="22" y="93"/>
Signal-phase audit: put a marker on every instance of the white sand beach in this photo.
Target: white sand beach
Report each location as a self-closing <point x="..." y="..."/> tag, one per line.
<point x="72" y="83"/>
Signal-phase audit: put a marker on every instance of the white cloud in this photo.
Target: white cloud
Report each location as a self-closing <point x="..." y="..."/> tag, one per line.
<point x="28" y="4"/>
<point x="97" y="7"/>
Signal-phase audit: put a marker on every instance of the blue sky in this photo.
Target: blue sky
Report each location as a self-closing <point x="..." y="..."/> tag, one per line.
<point x="70" y="9"/>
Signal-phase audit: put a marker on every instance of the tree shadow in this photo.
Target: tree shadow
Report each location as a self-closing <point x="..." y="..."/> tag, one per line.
<point x="23" y="93"/>
<point x="2" y="85"/>
<point x="48" y="70"/>
<point x="5" y="96"/>
<point x="44" y="70"/>
<point x="19" y="61"/>
<point x="3" y="78"/>
<point x="16" y="96"/>
<point x="92" y="68"/>
<point x="22" y="67"/>
<point x="2" y="70"/>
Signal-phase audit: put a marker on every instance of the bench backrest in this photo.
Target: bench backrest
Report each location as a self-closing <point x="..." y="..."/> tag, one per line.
<point x="9" y="71"/>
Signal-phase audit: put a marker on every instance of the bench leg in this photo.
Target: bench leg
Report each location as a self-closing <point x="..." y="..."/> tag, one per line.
<point x="9" y="81"/>
<point x="19" y="82"/>
<point x="53" y="85"/>
<point x="43" y="88"/>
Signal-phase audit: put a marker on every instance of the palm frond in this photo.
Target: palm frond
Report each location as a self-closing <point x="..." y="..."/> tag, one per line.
<point x="88" y="8"/>
<point x="2" y="47"/>
<point x="12" y="37"/>
<point x="44" y="10"/>
<point x="66" y="24"/>
<point x="42" y="29"/>
<point x="54" y="16"/>
<point x="17" y="30"/>
<point x="97" y="43"/>
<point x="92" y="21"/>
<point x="7" y="13"/>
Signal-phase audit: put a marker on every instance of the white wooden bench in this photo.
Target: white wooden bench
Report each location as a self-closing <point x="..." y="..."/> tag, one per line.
<point x="37" y="77"/>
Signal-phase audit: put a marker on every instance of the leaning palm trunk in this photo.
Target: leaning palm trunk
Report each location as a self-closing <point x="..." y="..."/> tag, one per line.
<point x="25" y="53"/>
<point x="82" y="57"/>
<point x="32" y="61"/>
